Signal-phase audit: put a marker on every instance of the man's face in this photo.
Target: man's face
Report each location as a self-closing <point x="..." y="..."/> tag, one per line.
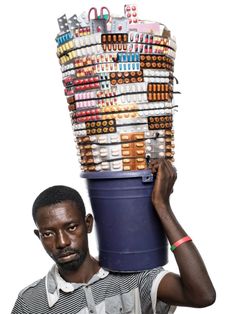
<point x="63" y="233"/>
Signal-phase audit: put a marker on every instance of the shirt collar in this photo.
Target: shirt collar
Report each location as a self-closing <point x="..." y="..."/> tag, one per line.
<point x="55" y="283"/>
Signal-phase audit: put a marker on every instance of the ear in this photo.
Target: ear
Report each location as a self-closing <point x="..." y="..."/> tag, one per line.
<point x="36" y="232"/>
<point x="89" y="223"/>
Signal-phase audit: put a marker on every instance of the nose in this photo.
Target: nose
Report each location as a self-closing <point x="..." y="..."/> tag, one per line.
<point x="62" y="240"/>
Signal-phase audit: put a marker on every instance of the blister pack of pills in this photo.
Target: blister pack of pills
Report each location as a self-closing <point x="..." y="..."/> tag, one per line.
<point x="118" y="77"/>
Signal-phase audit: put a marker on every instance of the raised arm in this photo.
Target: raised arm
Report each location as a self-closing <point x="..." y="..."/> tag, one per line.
<point x="193" y="287"/>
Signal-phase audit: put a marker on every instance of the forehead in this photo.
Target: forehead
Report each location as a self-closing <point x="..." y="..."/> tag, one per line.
<point x="60" y="213"/>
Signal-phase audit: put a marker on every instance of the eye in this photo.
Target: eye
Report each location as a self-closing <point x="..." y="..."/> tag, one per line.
<point x="72" y="227"/>
<point x="47" y="234"/>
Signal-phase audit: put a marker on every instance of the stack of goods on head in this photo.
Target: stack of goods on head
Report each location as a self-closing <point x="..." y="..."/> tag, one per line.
<point x="118" y="78"/>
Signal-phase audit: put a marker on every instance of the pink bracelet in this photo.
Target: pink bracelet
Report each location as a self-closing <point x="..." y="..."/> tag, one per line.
<point x="179" y="242"/>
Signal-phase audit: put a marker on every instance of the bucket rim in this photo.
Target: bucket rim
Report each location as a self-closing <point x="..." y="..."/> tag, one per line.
<point x="117" y="174"/>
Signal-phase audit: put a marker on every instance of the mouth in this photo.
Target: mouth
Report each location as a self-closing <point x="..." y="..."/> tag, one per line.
<point x="67" y="257"/>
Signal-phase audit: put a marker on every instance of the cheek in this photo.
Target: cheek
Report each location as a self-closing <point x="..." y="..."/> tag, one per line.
<point x="80" y="240"/>
<point x="48" y="246"/>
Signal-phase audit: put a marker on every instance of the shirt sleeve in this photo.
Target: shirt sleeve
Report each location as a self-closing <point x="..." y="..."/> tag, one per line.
<point x="148" y="292"/>
<point x="20" y="307"/>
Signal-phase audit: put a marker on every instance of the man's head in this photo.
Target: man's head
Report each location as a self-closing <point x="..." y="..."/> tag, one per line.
<point x="59" y="214"/>
<point x="57" y="194"/>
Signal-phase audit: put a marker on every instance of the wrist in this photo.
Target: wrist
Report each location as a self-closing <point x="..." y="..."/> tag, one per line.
<point x="161" y="205"/>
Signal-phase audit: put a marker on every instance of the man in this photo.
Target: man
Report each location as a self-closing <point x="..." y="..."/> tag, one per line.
<point x="77" y="284"/>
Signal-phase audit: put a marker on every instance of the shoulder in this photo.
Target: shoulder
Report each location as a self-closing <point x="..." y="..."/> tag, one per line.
<point x="138" y="275"/>
<point x="30" y="297"/>
<point x="35" y="286"/>
<point x="152" y="274"/>
<point x="150" y="280"/>
<point x="134" y="279"/>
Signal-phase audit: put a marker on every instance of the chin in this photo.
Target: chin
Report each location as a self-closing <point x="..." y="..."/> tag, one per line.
<point x="71" y="265"/>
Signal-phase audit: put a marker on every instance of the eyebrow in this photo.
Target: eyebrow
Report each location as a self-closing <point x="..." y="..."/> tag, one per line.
<point x="66" y="224"/>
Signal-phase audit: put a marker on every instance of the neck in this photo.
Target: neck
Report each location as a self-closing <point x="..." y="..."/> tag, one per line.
<point x="84" y="273"/>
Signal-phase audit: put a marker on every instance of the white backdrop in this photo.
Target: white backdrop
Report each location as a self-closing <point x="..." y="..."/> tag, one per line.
<point x="37" y="148"/>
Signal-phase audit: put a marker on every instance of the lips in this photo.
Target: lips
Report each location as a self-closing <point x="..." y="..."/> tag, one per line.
<point x="66" y="254"/>
<point x="67" y="257"/>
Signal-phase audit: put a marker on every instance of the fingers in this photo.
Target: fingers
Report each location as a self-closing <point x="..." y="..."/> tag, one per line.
<point x="166" y="172"/>
<point x="164" y="181"/>
<point x="162" y="162"/>
<point x="171" y="168"/>
<point x="172" y="175"/>
<point x="154" y="164"/>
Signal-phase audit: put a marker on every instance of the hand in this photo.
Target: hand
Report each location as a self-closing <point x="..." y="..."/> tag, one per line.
<point x="163" y="187"/>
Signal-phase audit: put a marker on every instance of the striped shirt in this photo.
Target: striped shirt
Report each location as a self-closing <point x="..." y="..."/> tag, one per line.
<point x="106" y="292"/>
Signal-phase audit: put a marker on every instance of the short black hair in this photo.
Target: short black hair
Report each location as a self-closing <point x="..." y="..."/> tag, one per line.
<point x="57" y="194"/>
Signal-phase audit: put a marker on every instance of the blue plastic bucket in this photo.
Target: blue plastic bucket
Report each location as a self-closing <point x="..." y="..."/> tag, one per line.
<point x="130" y="235"/>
